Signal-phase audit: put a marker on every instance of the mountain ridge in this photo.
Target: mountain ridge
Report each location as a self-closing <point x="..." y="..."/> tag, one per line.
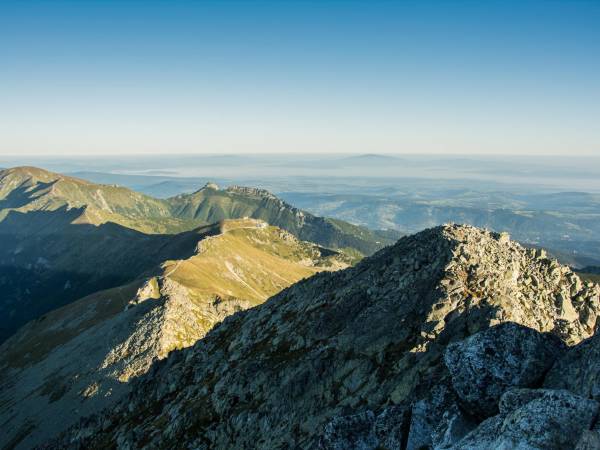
<point x="83" y="356"/>
<point x="179" y="213"/>
<point x="216" y="204"/>
<point x="64" y="237"/>
<point x="317" y="364"/>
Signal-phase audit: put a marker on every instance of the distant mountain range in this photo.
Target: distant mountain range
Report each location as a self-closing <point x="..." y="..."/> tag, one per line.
<point x="62" y="237"/>
<point x="565" y="221"/>
<point x="227" y="318"/>
<point x="211" y="204"/>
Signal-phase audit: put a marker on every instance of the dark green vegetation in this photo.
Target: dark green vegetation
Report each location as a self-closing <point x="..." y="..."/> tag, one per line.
<point x="62" y="238"/>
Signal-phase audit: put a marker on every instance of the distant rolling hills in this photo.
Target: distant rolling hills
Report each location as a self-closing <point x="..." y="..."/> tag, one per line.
<point x="568" y="223"/>
<point x="562" y="219"/>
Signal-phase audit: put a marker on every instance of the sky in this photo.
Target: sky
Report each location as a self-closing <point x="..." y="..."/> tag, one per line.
<point x="458" y="77"/>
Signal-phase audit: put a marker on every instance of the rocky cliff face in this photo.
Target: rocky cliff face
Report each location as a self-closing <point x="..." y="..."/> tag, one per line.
<point x="81" y="358"/>
<point x="400" y="352"/>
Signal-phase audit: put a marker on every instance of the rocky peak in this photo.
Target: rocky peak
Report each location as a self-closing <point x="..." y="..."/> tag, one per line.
<point x="209" y="186"/>
<point x="236" y="201"/>
<point x="212" y="186"/>
<point x="256" y="192"/>
<point x="357" y="356"/>
<point x="267" y="195"/>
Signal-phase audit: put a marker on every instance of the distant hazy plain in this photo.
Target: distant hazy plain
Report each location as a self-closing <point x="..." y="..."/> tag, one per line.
<point x="549" y="201"/>
<point x="547" y="173"/>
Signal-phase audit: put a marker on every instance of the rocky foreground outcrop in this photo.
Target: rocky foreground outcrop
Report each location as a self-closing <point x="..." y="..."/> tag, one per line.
<point x="410" y="349"/>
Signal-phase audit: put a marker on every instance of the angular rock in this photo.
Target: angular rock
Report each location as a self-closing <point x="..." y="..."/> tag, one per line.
<point x="390" y="427"/>
<point x="578" y="370"/>
<point x="437" y="419"/>
<point x="366" y="431"/>
<point x="545" y="419"/>
<point x="590" y="440"/>
<point x="350" y="432"/>
<point x="486" y="364"/>
<point x="451" y="428"/>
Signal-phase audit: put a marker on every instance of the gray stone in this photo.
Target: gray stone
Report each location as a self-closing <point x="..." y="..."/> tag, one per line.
<point x="350" y="432"/>
<point x="390" y="427"/>
<point x="578" y="370"/>
<point x="486" y="364"/>
<point x="452" y="427"/>
<point x="590" y="440"/>
<point x="427" y="416"/>
<point x="546" y="419"/>
<point x="366" y="431"/>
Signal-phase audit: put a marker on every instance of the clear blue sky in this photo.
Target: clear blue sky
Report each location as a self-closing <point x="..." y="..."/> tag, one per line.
<point x="334" y="76"/>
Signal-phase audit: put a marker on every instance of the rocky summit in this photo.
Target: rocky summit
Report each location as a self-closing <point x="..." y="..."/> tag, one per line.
<point x="448" y="339"/>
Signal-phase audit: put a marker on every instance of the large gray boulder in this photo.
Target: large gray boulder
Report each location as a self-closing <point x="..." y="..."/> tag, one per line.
<point x="485" y="365"/>
<point x="437" y="420"/>
<point x="534" y="420"/>
<point x="578" y="370"/>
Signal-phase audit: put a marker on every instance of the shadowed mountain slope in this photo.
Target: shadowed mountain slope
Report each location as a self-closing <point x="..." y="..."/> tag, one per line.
<point x="355" y="358"/>
<point x="47" y="261"/>
<point x="25" y="189"/>
<point x="62" y="238"/>
<point x="78" y="359"/>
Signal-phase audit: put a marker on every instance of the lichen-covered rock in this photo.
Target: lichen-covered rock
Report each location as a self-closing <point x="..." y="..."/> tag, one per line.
<point x="589" y="440"/>
<point x="350" y="432"/>
<point x="578" y="370"/>
<point x="486" y="364"/>
<point x="541" y="419"/>
<point x="367" y="431"/>
<point x="434" y="421"/>
<point x="451" y="428"/>
<point x="437" y="416"/>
